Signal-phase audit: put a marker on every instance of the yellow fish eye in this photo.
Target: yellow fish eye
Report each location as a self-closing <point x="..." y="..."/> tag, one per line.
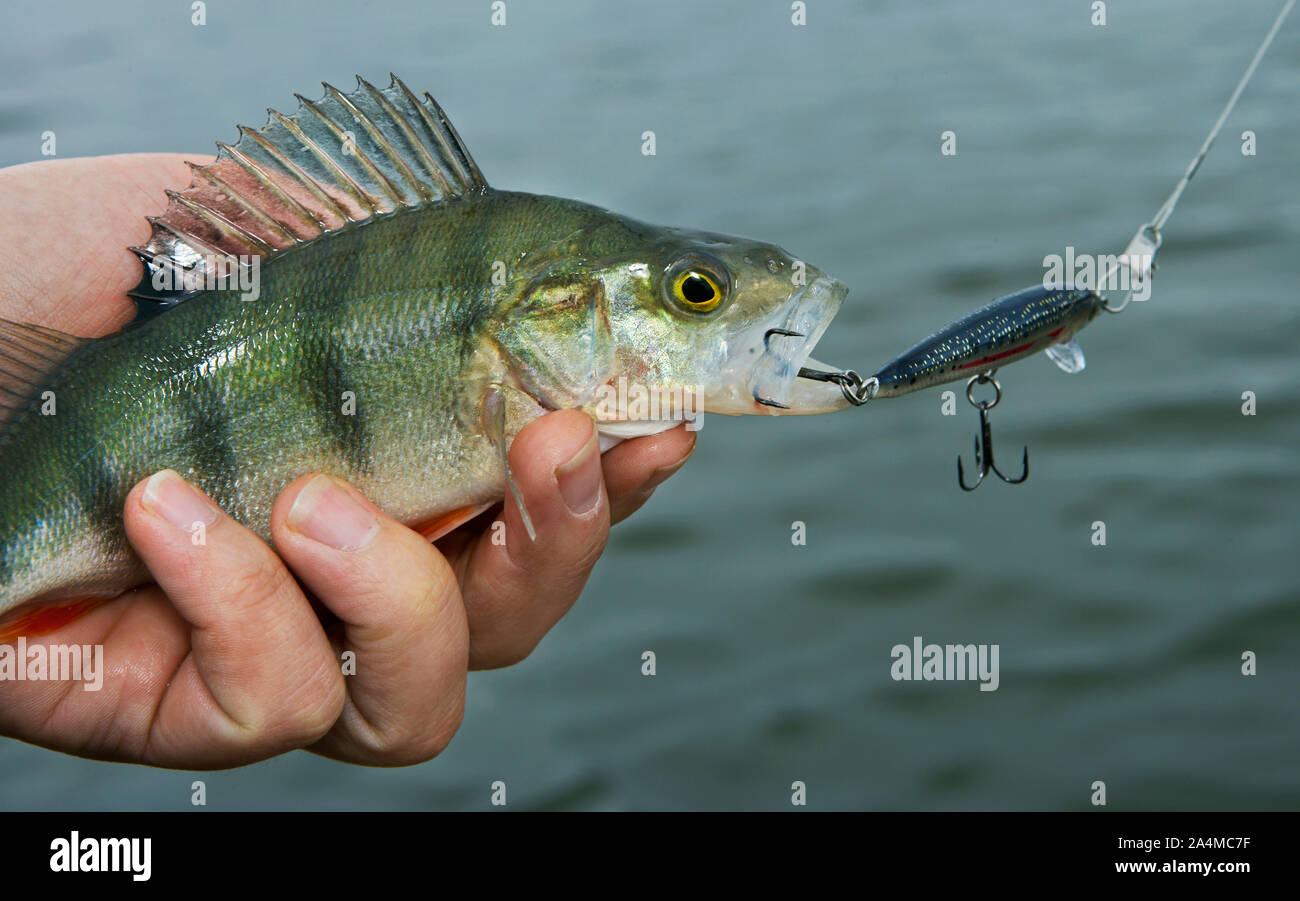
<point x="697" y="290"/>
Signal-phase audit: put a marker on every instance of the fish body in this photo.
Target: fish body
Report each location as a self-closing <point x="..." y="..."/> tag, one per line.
<point x="409" y="320"/>
<point x="999" y="333"/>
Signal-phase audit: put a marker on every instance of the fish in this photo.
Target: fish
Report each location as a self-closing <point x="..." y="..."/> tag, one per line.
<point x="999" y="333"/>
<point x="341" y="291"/>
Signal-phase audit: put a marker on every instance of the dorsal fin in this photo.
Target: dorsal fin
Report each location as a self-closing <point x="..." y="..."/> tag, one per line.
<point x="335" y="162"/>
<point x="29" y="355"/>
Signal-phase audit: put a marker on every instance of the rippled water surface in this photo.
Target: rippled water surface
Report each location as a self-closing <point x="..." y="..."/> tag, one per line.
<point x="1118" y="663"/>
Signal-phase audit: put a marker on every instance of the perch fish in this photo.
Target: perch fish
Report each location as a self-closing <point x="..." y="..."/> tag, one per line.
<point x="342" y="292"/>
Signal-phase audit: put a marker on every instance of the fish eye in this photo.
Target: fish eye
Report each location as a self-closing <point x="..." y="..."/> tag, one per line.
<point x="697" y="286"/>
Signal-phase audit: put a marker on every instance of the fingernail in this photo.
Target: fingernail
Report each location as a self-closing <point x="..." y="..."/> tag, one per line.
<point x="662" y="474"/>
<point x="171" y="497"/>
<point x="327" y="512"/>
<point x="580" y="478"/>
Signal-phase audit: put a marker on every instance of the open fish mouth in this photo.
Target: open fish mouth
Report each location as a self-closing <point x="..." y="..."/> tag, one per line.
<point x="774" y="352"/>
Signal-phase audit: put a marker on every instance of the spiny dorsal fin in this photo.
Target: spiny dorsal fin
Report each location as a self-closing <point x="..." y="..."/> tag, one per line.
<point x="29" y="355"/>
<point x="337" y="161"/>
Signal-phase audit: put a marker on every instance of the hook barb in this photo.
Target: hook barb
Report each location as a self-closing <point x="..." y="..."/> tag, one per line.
<point x="984" y="445"/>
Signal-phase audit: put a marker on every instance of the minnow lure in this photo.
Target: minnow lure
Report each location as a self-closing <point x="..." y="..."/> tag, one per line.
<point x="409" y="320"/>
<point x="997" y="334"/>
<point x="1019" y="325"/>
<point x="1002" y="332"/>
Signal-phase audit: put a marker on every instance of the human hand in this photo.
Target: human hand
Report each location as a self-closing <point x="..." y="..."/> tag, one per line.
<point x="224" y="661"/>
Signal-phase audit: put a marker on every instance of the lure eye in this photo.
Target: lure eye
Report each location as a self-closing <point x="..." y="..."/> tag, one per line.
<point x="697" y="287"/>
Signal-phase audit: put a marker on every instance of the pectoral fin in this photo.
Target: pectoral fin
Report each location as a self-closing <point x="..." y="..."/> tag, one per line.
<point x="506" y="410"/>
<point x="1069" y="356"/>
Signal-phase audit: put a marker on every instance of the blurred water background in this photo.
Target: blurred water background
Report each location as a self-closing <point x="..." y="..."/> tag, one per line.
<point x="1118" y="663"/>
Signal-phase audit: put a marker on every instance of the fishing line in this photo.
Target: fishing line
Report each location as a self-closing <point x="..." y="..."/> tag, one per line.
<point x="1140" y="254"/>
<point x="1162" y="215"/>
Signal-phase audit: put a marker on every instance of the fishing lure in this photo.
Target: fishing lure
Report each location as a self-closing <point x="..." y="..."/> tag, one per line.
<point x="1019" y="325"/>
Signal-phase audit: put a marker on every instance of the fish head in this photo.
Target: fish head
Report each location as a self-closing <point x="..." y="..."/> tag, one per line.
<point x="639" y="323"/>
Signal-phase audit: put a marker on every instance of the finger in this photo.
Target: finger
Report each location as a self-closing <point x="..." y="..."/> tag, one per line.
<point x="261" y="677"/>
<point x="635" y="468"/>
<point x="403" y="621"/>
<point x="515" y="589"/>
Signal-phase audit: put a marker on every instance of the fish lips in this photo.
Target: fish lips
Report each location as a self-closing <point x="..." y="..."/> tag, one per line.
<point x="762" y="375"/>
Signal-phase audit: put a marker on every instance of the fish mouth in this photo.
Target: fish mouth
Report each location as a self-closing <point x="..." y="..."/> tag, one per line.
<point x="763" y="376"/>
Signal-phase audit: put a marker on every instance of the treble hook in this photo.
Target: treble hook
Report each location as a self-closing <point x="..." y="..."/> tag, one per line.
<point x="984" y="441"/>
